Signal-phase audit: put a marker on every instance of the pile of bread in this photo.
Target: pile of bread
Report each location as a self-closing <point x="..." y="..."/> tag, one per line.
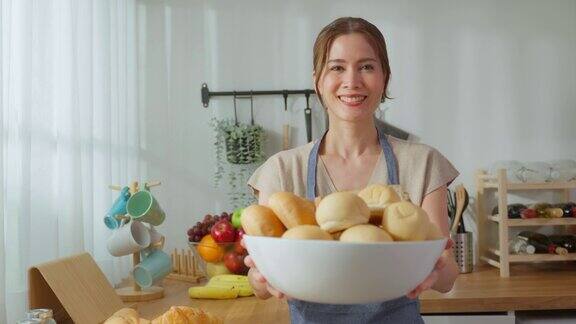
<point x="175" y="315"/>
<point x="375" y="214"/>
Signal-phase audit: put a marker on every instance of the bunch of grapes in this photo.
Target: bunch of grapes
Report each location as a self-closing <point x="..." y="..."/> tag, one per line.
<point x="201" y="229"/>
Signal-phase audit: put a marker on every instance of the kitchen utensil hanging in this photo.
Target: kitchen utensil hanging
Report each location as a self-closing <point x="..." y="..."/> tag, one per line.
<point x="286" y="126"/>
<point x="308" y="118"/>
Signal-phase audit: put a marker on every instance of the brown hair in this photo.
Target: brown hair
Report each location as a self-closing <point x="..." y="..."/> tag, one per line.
<point x="344" y="26"/>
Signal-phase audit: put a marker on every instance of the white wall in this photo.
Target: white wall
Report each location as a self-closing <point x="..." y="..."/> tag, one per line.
<point x="479" y="80"/>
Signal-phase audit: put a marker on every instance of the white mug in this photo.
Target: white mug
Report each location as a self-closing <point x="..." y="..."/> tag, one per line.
<point x="129" y="238"/>
<point x="156" y="239"/>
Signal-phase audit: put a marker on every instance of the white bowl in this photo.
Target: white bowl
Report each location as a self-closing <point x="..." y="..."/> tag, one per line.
<point x="334" y="272"/>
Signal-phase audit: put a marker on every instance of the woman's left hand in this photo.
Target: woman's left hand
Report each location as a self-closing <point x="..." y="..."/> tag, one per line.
<point x="434" y="275"/>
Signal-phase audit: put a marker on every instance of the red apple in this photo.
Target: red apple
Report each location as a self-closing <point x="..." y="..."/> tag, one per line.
<point x="239" y="234"/>
<point x="223" y="231"/>
<point x="235" y="263"/>
<point x="238" y="248"/>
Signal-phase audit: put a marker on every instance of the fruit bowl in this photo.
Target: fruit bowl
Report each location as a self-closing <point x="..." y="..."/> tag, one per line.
<point x="219" y="258"/>
<point x="336" y="272"/>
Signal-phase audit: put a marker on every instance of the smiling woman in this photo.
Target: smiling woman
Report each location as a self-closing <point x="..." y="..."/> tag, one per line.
<point x="351" y="75"/>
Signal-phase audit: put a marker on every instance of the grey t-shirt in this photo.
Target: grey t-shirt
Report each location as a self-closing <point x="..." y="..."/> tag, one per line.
<point x="421" y="169"/>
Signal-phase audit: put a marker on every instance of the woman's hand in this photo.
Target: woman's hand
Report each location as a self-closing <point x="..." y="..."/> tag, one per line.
<point x="262" y="289"/>
<point x="435" y="274"/>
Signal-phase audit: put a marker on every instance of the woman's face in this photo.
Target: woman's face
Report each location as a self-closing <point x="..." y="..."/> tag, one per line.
<point x="352" y="83"/>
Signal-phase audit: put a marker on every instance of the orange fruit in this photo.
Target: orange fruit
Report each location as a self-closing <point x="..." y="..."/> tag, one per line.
<point x="209" y="250"/>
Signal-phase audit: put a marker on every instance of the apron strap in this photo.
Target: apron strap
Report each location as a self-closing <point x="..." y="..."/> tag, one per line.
<point x="391" y="163"/>
<point x="312" y="166"/>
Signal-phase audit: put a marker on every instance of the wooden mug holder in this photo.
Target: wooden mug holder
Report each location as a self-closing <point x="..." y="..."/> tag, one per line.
<point x="135" y="293"/>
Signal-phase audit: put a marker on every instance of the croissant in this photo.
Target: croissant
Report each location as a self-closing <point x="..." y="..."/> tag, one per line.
<point x="186" y="315"/>
<point x="126" y="316"/>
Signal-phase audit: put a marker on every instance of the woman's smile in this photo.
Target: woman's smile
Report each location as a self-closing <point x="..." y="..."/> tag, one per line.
<point x="352" y="100"/>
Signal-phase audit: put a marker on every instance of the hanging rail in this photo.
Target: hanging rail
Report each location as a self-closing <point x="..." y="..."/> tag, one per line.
<point x="206" y="93"/>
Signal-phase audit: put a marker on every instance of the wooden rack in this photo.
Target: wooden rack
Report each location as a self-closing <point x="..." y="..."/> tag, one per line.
<point x="499" y="255"/>
<point x="184" y="267"/>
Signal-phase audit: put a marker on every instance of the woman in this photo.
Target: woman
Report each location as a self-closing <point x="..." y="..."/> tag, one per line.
<point x="351" y="74"/>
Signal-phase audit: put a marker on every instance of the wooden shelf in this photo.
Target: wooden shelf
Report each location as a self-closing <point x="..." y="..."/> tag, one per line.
<point x="535" y="257"/>
<point x="535" y="221"/>
<point x="532" y="186"/>
<point x="498" y="256"/>
<point x="541" y="257"/>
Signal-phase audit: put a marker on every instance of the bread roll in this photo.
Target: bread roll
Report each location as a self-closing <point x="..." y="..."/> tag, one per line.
<point x="317" y="201"/>
<point x="341" y="210"/>
<point x="336" y="235"/>
<point x="307" y="232"/>
<point x="186" y="315"/>
<point x="434" y="232"/>
<point x="126" y="316"/>
<point x="363" y="233"/>
<point x="260" y="220"/>
<point x="406" y="221"/>
<point x="292" y="210"/>
<point x="378" y="197"/>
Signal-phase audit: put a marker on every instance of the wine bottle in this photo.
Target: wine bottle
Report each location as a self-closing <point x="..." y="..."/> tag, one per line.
<point x="542" y="243"/>
<point x="514" y="210"/>
<point x="546" y="210"/>
<point x="519" y="246"/>
<point x="566" y="241"/>
<point x="568" y="209"/>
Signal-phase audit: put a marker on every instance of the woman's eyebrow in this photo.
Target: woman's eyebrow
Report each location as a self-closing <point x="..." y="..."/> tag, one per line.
<point x="367" y="59"/>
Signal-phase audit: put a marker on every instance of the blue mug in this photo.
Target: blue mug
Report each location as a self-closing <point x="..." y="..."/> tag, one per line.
<point x="155" y="266"/>
<point x="118" y="208"/>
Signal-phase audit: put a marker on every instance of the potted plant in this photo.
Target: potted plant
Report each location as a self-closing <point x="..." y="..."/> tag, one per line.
<point x="239" y="151"/>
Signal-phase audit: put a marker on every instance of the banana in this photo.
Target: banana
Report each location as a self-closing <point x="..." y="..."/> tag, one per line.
<point x="207" y="292"/>
<point x="223" y="286"/>
<point x="242" y="289"/>
<point x="229" y="278"/>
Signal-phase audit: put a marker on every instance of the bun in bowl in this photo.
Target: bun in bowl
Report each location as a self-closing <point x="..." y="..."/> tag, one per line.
<point x="365" y="233"/>
<point x="307" y="232"/>
<point x="406" y="222"/>
<point x="341" y="210"/>
<point x="292" y="210"/>
<point x="260" y="220"/>
<point x="378" y="197"/>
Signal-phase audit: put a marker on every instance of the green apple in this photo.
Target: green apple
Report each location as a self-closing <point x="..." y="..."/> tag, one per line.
<point x="236" y="217"/>
<point x="214" y="269"/>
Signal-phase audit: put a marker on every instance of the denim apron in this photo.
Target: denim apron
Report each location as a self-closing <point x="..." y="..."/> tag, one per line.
<point x="398" y="311"/>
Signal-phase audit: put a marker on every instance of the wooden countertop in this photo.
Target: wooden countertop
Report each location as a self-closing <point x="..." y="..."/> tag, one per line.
<point x="530" y="287"/>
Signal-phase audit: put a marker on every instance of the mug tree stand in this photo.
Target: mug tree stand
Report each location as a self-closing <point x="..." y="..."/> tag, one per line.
<point x="135" y="293"/>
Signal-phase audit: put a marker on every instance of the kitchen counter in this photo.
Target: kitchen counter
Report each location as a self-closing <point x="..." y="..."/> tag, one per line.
<point x="530" y="287"/>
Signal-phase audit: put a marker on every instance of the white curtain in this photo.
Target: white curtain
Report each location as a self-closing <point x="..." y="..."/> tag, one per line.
<point x="69" y="127"/>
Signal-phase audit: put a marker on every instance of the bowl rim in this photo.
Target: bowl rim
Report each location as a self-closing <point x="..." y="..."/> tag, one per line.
<point x="337" y="242"/>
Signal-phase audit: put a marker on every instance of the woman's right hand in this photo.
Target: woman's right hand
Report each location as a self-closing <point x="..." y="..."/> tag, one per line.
<point x="262" y="289"/>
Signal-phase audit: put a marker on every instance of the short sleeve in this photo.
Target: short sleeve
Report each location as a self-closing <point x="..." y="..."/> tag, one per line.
<point x="439" y="171"/>
<point x="267" y="177"/>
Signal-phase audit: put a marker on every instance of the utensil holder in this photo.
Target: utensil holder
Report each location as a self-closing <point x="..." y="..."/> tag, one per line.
<point x="463" y="252"/>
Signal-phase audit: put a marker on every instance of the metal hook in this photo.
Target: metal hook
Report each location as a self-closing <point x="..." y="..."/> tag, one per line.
<point x="251" y="107"/>
<point x="235" y="114"/>
<point x="285" y="95"/>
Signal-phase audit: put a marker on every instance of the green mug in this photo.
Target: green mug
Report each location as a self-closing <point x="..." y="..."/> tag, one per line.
<point x="143" y="207"/>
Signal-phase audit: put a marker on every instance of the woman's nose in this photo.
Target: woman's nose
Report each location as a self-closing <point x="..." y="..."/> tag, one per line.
<point x="351" y="79"/>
